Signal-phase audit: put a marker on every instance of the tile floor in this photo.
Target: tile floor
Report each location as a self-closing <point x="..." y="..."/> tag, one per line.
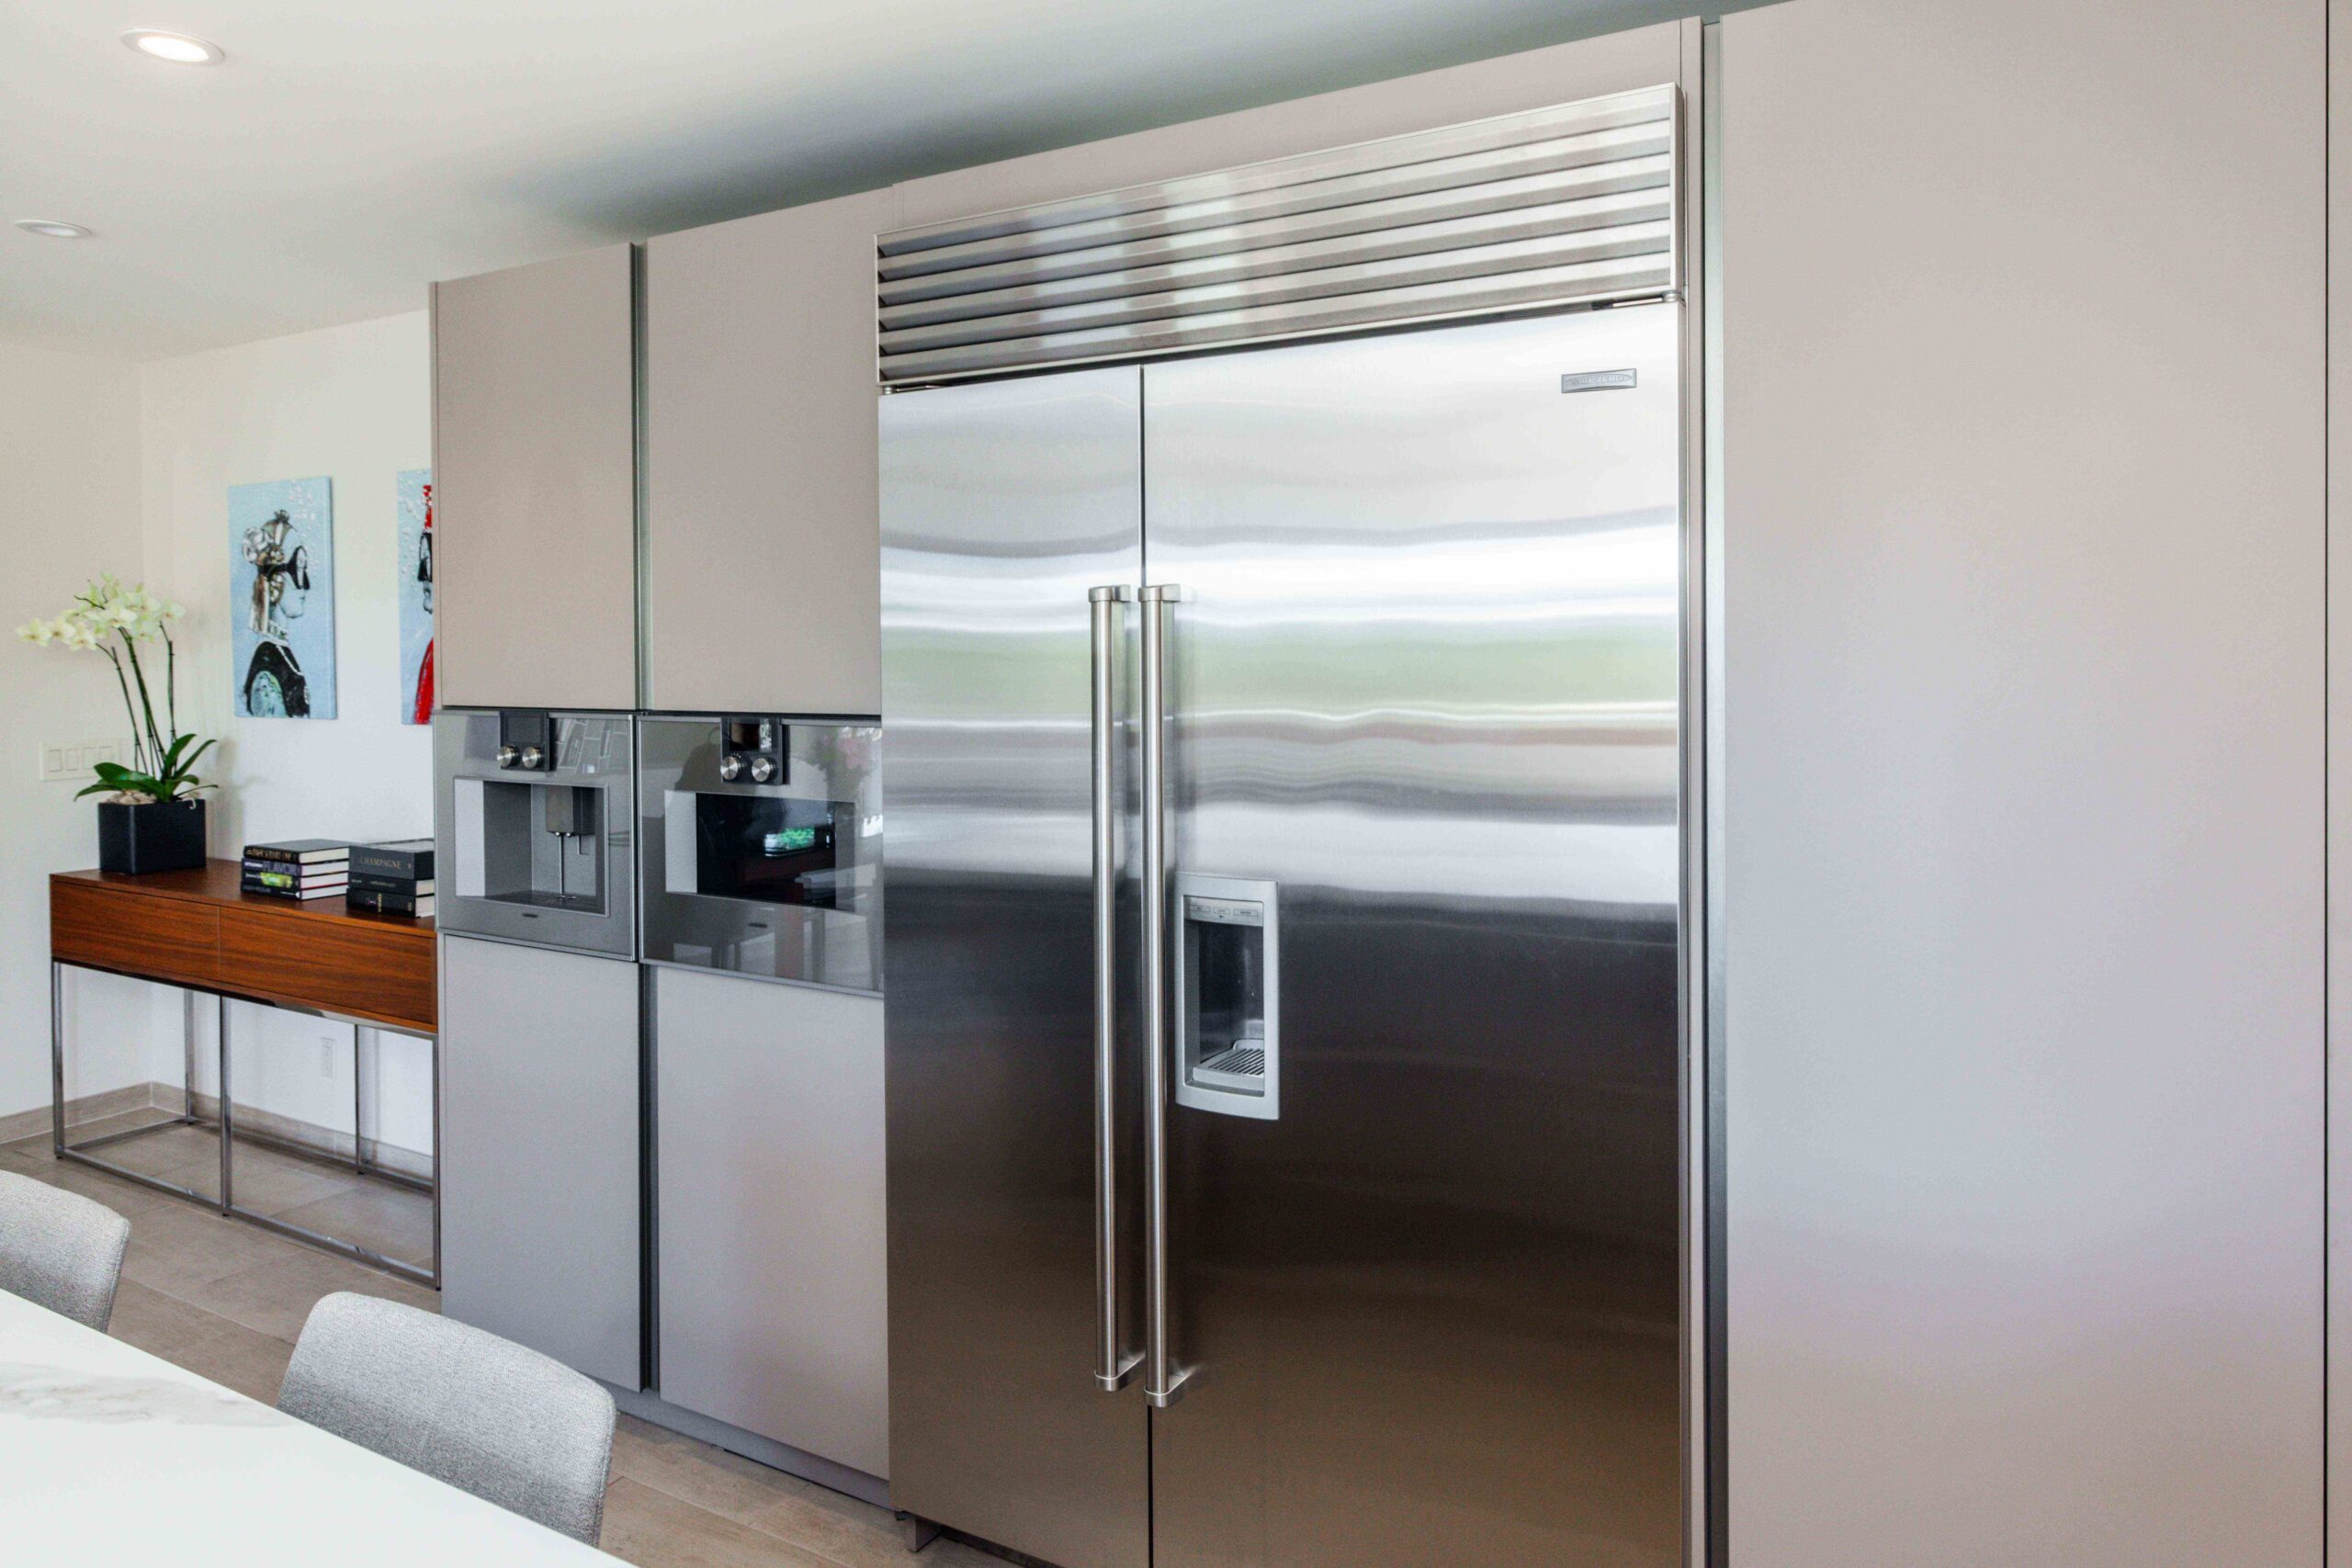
<point x="227" y="1300"/>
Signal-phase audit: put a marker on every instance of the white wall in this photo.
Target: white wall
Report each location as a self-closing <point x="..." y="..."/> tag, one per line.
<point x="69" y="510"/>
<point x="353" y="403"/>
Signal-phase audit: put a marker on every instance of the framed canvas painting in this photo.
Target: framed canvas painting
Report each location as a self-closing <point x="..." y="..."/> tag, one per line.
<point x="413" y="493"/>
<point x="281" y="599"/>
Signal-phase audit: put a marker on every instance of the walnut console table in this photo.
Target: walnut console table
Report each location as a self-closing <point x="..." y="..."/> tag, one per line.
<point x="199" y="932"/>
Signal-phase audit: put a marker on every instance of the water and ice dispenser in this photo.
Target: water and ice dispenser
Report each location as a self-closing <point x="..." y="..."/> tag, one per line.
<point x="1228" y="996"/>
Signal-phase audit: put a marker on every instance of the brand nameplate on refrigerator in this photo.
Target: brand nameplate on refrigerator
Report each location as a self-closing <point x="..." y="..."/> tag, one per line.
<point x="1597" y="382"/>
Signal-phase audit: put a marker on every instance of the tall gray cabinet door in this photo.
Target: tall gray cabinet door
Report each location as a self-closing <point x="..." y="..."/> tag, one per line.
<point x="535" y="485"/>
<point x="761" y="579"/>
<point x="539" y="1151"/>
<point x="2023" y="771"/>
<point x="769" y="1166"/>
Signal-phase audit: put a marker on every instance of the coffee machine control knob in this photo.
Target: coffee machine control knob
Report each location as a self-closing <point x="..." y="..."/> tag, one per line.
<point x="763" y="769"/>
<point x="533" y="757"/>
<point x="507" y="755"/>
<point x="730" y="767"/>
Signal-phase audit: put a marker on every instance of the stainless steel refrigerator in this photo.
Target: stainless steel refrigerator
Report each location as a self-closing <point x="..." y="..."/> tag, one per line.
<point x="1282" y="962"/>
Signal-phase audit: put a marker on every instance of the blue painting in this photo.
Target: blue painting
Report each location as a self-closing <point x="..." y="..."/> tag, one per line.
<point x="281" y="599"/>
<point x="413" y="493"/>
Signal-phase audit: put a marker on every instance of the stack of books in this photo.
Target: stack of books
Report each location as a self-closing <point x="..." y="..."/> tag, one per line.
<point x="392" y="879"/>
<point x="296" y="868"/>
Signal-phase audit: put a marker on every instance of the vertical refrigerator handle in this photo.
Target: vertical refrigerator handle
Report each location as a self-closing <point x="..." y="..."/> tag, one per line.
<point x="1112" y="1365"/>
<point x="1163" y="1382"/>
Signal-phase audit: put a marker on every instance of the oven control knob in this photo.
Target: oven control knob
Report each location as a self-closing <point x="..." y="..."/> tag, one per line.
<point x="730" y="767"/>
<point x="506" y="756"/>
<point x="763" y="769"/>
<point x="533" y="757"/>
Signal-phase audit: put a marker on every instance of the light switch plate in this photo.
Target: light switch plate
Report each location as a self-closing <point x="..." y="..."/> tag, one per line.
<point x="69" y="762"/>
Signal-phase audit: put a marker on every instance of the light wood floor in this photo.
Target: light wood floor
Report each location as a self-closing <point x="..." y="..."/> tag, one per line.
<point x="226" y="1300"/>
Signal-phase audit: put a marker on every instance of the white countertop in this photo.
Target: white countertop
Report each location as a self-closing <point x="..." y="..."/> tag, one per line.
<point x="108" y="1454"/>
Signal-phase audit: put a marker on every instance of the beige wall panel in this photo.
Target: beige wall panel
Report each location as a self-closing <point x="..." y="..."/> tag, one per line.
<point x="762" y="583"/>
<point x="2024" y="748"/>
<point x="534" y="477"/>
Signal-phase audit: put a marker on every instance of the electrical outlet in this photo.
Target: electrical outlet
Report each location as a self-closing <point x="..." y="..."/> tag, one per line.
<point x="69" y="762"/>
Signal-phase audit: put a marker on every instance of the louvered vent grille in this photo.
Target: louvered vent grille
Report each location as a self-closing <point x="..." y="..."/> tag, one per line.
<point x="1553" y="206"/>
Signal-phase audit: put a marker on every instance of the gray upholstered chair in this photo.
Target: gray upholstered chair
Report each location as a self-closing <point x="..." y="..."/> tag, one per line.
<point x="466" y="1408"/>
<point x="60" y="1249"/>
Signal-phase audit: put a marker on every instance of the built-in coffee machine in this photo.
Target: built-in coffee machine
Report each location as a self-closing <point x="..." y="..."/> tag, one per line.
<point x="535" y="827"/>
<point x="762" y="847"/>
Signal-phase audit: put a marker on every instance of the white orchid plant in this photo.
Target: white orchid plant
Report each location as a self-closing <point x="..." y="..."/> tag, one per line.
<point x="109" y="618"/>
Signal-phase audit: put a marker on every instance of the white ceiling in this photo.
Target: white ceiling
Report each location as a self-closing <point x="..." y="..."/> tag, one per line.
<point x="348" y="152"/>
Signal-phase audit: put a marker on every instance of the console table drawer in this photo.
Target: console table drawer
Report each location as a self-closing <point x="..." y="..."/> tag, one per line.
<point x="167" y="938"/>
<point x="343" y="967"/>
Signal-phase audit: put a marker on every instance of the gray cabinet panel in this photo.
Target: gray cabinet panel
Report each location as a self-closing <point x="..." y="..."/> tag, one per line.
<point x="535" y="485"/>
<point x="539" y="1151"/>
<point x="2023" y="769"/>
<point x="772" y="1230"/>
<point x="761" y="577"/>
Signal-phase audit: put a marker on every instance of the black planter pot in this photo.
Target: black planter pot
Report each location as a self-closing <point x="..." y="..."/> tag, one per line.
<point x="157" y="836"/>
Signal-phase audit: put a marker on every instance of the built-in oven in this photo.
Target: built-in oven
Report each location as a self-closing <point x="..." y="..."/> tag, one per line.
<point x="761" y="847"/>
<point x="533" y="820"/>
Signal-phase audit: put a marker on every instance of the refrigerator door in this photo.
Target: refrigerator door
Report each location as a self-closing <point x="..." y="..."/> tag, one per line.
<point x="1422" y="688"/>
<point x="1002" y="505"/>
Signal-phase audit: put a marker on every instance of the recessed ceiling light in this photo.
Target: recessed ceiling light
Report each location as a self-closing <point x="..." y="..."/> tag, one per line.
<point x="180" y="48"/>
<point x="53" y="228"/>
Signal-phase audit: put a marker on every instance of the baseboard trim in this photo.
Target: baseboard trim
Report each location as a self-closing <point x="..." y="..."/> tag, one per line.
<point x="328" y="1143"/>
<point x="825" y="1472"/>
<point x="21" y="1124"/>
